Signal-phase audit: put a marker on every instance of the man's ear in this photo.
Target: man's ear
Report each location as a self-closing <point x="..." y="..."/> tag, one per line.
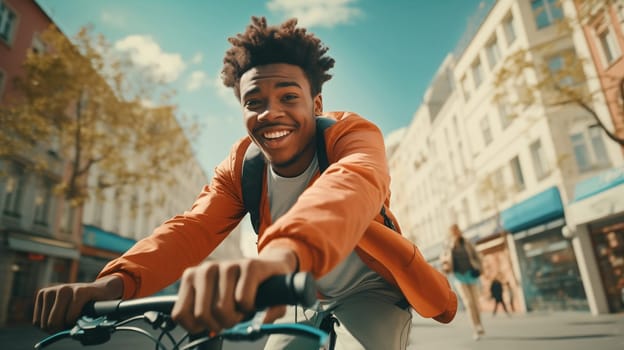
<point x="318" y="104"/>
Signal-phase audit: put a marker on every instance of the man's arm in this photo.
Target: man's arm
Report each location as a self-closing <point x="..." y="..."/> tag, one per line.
<point x="185" y="240"/>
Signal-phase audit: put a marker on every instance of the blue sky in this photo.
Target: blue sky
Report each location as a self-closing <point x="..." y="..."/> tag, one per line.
<point x="386" y="52"/>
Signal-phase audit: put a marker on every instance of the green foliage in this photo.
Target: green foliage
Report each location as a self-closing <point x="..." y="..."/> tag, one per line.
<point x="94" y="109"/>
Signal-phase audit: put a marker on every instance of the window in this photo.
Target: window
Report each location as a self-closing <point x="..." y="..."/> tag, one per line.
<point x="465" y="88"/>
<point x="451" y="156"/>
<point x="556" y="66"/>
<point x="589" y="149"/>
<point x="598" y="146"/>
<point x="38" y="46"/>
<point x="492" y="52"/>
<point x="486" y="132"/>
<point x="7" y="22"/>
<point x="42" y="203"/>
<point x="458" y="138"/>
<point x="498" y="185"/>
<point x="609" y="46"/>
<point x="67" y="221"/>
<point x="539" y="160"/>
<point x="477" y="72"/>
<point x="14" y="191"/>
<point x="546" y="12"/>
<point x="508" y="28"/>
<point x="516" y="170"/>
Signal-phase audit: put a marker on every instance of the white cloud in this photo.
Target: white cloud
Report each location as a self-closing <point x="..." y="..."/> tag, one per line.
<point x="145" y="52"/>
<point x="197" y="80"/>
<point x="319" y="13"/>
<point x="197" y="58"/>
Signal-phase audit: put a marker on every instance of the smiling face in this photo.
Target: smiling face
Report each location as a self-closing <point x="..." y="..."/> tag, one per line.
<point x="280" y="115"/>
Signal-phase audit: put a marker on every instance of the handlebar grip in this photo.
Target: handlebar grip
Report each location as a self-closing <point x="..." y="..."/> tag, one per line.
<point x="95" y="309"/>
<point x="292" y="289"/>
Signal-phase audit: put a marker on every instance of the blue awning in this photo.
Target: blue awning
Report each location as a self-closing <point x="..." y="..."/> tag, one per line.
<point x="96" y="237"/>
<point x="599" y="183"/>
<point x="43" y="245"/>
<point x="542" y="207"/>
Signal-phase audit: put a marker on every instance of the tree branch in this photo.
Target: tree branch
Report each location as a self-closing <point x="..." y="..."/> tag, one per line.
<point x="609" y="133"/>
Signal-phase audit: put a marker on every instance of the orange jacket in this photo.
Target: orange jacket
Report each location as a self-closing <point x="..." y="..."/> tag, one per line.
<point x="338" y="213"/>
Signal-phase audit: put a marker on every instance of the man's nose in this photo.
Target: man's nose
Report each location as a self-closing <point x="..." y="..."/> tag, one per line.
<point x="271" y="111"/>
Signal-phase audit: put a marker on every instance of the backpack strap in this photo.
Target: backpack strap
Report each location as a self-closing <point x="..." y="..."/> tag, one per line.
<point x="322" y="123"/>
<point x="251" y="183"/>
<point x="254" y="167"/>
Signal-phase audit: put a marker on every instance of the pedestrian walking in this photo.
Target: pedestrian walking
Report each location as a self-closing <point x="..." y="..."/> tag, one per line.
<point x="462" y="260"/>
<point x="511" y="296"/>
<point x="496" y="291"/>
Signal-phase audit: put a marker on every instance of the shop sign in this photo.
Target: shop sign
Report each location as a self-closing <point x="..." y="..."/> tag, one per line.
<point x="603" y="204"/>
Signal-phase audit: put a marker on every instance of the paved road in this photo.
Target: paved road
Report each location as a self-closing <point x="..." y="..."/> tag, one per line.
<point x="534" y="331"/>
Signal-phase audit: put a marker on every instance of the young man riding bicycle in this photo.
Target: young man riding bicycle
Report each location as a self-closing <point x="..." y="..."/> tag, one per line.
<point x="329" y="224"/>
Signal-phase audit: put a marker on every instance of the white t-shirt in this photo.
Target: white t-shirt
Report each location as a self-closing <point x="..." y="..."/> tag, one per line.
<point x="348" y="277"/>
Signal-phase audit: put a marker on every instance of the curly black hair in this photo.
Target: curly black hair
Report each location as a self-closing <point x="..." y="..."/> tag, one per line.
<point x="261" y="44"/>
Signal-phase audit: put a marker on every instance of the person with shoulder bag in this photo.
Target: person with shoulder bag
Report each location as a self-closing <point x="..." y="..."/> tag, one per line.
<point x="462" y="260"/>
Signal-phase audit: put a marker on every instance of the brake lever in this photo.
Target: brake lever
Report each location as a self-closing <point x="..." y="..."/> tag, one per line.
<point x="93" y="331"/>
<point x="52" y="339"/>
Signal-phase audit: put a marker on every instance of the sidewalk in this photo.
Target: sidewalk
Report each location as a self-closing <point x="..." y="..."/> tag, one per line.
<point x="534" y="331"/>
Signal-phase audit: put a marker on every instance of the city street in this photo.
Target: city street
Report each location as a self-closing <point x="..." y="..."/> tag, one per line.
<point x="534" y="331"/>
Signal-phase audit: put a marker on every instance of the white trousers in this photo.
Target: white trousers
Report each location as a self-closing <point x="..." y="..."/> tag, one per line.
<point x="367" y="321"/>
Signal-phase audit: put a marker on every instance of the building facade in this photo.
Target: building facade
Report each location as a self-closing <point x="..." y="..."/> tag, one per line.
<point x="596" y="214"/>
<point x="43" y="240"/>
<point x="37" y="245"/>
<point x="506" y="172"/>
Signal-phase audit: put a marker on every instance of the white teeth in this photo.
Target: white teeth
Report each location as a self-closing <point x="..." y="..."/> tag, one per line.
<point x="275" y="134"/>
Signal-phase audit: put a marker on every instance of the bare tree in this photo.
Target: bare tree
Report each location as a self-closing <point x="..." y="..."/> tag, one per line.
<point x="560" y="78"/>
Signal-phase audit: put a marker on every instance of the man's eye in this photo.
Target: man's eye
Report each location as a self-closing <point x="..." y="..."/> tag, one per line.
<point x="252" y="103"/>
<point x="289" y="97"/>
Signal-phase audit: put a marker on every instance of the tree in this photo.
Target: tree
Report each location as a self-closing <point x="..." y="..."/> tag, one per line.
<point x="94" y="109"/>
<point x="551" y="77"/>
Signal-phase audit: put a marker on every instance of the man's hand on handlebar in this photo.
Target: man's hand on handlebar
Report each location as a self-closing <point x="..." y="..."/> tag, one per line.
<point x="59" y="307"/>
<point x="217" y="295"/>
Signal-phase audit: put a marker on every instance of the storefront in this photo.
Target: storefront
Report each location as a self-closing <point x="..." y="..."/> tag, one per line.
<point x="596" y="224"/>
<point x="490" y="239"/>
<point x="29" y="263"/>
<point x="98" y="248"/>
<point x="549" y="271"/>
<point x="608" y="243"/>
<point x="497" y="264"/>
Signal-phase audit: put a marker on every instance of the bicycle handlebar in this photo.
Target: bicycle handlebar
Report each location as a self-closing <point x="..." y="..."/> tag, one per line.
<point x="293" y="289"/>
<point x="100" y="319"/>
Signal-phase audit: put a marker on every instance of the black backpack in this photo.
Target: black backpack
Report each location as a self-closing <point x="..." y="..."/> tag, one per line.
<point x="253" y="168"/>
